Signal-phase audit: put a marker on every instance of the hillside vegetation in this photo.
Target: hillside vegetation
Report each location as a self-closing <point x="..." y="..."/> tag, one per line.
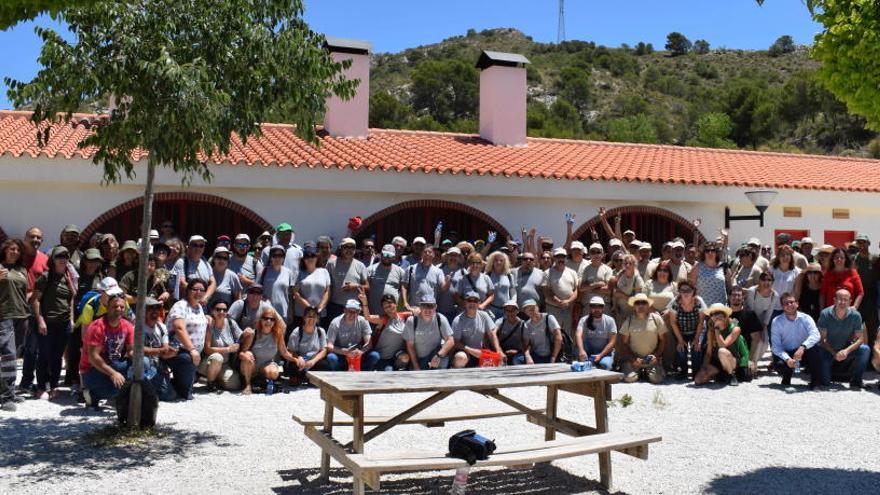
<point x="689" y="93"/>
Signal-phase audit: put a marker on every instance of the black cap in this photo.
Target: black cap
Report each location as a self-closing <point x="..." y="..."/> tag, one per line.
<point x="255" y="288"/>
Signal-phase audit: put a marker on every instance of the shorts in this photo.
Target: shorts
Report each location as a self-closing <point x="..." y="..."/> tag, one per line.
<point x="229" y="378"/>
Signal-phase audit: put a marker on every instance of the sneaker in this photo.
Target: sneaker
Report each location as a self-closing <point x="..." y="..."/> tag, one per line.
<point x="41" y="395"/>
<point x="8" y="406"/>
<point x="54" y="394"/>
<point x="211" y="387"/>
<point x="733" y="381"/>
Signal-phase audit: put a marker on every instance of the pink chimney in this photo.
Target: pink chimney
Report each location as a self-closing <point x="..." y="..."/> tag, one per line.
<point x="350" y="119"/>
<point x="503" y="98"/>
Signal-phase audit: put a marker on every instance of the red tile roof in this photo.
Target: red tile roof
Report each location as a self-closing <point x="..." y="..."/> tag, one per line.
<point x="435" y="152"/>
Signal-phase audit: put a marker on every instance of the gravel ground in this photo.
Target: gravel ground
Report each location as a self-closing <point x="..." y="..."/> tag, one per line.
<point x="754" y="438"/>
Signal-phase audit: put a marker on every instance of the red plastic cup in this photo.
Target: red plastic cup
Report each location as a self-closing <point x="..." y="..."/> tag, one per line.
<point x="354" y="362"/>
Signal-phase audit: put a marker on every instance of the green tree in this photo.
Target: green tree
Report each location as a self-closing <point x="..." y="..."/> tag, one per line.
<point x="712" y="130"/>
<point x="445" y="89"/>
<point x="701" y="47"/>
<point x="574" y="86"/>
<point x="386" y="112"/>
<point x="784" y="44"/>
<point x="634" y="129"/>
<point x="14" y="11"/>
<point x="677" y="44"/>
<point x="189" y="76"/>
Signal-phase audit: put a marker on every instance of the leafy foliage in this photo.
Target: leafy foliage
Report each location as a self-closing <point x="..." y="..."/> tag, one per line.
<point x="784" y="44"/>
<point x="14" y="11"/>
<point x="677" y="44"/>
<point x="701" y="47"/>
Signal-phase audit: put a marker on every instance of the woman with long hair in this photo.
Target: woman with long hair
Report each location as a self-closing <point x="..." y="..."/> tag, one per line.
<point x="127" y="259"/>
<point x="626" y="284"/>
<point x="727" y="354"/>
<point x="14" y="314"/>
<point x="808" y="291"/>
<point x="387" y="337"/>
<point x="498" y="269"/>
<point x="841" y="275"/>
<point x="267" y="351"/>
<point x="312" y="289"/>
<point x="661" y="288"/>
<point x="784" y="273"/>
<point x="52" y="306"/>
<point x="475" y="280"/>
<point x="308" y="346"/>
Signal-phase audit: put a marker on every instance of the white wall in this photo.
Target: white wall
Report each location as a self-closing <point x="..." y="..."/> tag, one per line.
<point x="53" y="192"/>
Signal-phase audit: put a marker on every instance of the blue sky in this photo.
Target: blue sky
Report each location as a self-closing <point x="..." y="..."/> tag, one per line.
<point x="393" y="25"/>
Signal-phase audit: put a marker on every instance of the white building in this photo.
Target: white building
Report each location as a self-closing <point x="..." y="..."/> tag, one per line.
<point x="403" y="182"/>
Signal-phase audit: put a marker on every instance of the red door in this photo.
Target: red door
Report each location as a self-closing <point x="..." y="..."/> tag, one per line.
<point x="839" y="238"/>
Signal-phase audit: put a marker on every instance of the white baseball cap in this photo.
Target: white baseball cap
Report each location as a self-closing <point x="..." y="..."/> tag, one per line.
<point x="109" y="286"/>
<point x="559" y="252"/>
<point x="419" y="240"/>
<point x="245" y="237"/>
<point x="577" y="245"/>
<point x="196" y="238"/>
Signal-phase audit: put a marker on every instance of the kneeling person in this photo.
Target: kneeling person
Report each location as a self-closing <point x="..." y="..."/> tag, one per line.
<point x="348" y="334"/>
<point x="472" y="330"/>
<point x="104" y="363"/>
<point x="643" y="334"/>
<point x="543" y="335"/>
<point x="596" y="335"/>
<point x="842" y="348"/>
<point x="308" y="346"/>
<point x="727" y="354"/>
<point x="157" y="350"/>
<point x="387" y="338"/>
<point x="222" y="343"/>
<point x="267" y="350"/>
<point x="428" y="336"/>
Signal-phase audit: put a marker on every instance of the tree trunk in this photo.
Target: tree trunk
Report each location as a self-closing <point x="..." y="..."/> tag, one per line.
<point x="134" y="405"/>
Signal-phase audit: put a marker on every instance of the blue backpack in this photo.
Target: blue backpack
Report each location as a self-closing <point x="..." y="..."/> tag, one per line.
<point x="91" y="297"/>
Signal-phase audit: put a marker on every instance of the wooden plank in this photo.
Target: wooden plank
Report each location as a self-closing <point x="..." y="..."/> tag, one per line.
<point x="457" y="379"/>
<point x="600" y="404"/>
<point x="357" y="414"/>
<point x="328" y="429"/>
<point x="535" y="416"/>
<point x="331" y="447"/>
<point x="343" y="403"/>
<point x="530" y="454"/>
<point x="424" y="418"/>
<point x="552" y="397"/>
<point x="564" y="426"/>
<point x="396" y="420"/>
<point x="589" y="389"/>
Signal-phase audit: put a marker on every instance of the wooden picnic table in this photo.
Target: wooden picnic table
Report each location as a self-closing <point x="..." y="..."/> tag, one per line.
<point x="345" y="391"/>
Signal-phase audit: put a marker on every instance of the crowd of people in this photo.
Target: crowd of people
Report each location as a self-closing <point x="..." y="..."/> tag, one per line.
<point x="252" y="313"/>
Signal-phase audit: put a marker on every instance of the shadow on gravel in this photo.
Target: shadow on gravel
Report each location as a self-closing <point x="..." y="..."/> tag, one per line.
<point x="542" y="480"/>
<point x="796" y="480"/>
<point x="36" y="450"/>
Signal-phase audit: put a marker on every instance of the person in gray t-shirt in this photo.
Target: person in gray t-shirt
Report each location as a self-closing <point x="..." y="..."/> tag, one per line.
<point x="245" y="266"/>
<point x="473" y="330"/>
<point x="596" y="335"/>
<point x="348" y="334"/>
<point x="308" y="344"/>
<point x="422" y="279"/>
<point x="246" y="311"/>
<point x="428" y="336"/>
<point x="385" y="278"/>
<point x="543" y="335"/>
<point x="528" y="279"/>
<point x="347" y="275"/>
<point x="511" y="334"/>
<point x="228" y="285"/>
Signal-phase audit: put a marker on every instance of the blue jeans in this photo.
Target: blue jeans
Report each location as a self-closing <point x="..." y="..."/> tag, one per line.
<point x="425" y="361"/>
<point x="854" y="365"/>
<point x="100" y="385"/>
<point x="51" y="351"/>
<point x="183" y="374"/>
<point x="29" y="349"/>
<point x="518" y="358"/>
<point x="338" y="362"/>
<point x="390" y="364"/>
<point x="606" y="363"/>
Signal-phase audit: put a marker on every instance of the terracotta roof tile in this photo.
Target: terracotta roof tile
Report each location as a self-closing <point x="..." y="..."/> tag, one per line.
<point x="467" y="155"/>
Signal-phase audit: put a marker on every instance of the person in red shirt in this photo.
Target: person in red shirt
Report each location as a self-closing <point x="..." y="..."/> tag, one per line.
<point x="36" y="263"/>
<point x="841" y="275"/>
<point x="105" y="361"/>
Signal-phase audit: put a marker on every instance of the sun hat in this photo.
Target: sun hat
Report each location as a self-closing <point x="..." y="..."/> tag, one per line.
<point x="637" y="243"/>
<point x="419" y="240"/>
<point x="510" y="302"/>
<point x="58" y="251"/>
<point x="453" y="250"/>
<point x="154" y="234"/>
<point x="754" y="241"/>
<point x="646" y="245"/>
<point x="129" y="245"/>
<point x="388" y="251"/>
<point x="559" y="252"/>
<point x="243" y="237"/>
<point x="597" y="246"/>
<point x="70" y="228"/>
<point x="715" y="308"/>
<point x="863" y="237"/>
<point x="596" y="301"/>
<point x="577" y="245"/>
<point x="628" y="231"/>
<point x="826" y="248"/>
<point x="92" y="254"/>
<point x="640" y="298"/>
<point x="347" y="241"/>
<point x="615" y="242"/>
<point x="221" y="250"/>
<point x="807" y="240"/>
<point x="277" y="247"/>
<point x="196" y="238"/>
<point x="813" y="267"/>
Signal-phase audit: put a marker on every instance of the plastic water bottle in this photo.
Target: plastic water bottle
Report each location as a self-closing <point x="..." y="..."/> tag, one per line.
<point x="460" y="481"/>
<point x="270" y="387"/>
<point x="797" y="367"/>
<point x="439" y="227"/>
<point x="582" y="365"/>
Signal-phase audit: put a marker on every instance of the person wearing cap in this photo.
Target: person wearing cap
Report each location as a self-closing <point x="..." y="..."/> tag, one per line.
<point x="727" y="355"/>
<point x="794" y="340"/>
<point x="543" y="335"/>
<point x="89" y="281"/>
<point x="808" y="289"/>
<point x="577" y="261"/>
<point x="308" y="346"/>
<point x="680" y="268"/>
<point x="224" y="241"/>
<point x="596" y="335"/>
<point x="387" y="336"/>
<point x="841" y="274"/>
<point x="263" y="241"/>
<point x="223" y="339"/>
<point x="399" y="244"/>
<point x="561" y="290"/>
<point x="69" y="238"/>
<point x="52" y="307"/>
<point x="807" y="246"/>
<point x="245" y="266"/>
<point x="348" y="277"/>
<point x="418" y="247"/>
<point x="842" y="349"/>
<point x="96" y="306"/>
<point x="510" y="331"/>
<point x="191" y="266"/>
<point x="473" y="331"/>
<point x="284" y="237"/>
<point x="154" y="238"/>
<point x="452" y="271"/>
<point x="529" y="278"/>
<point x="245" y="312"/>
<point x="474" y="280"/>
<point x="686" y="319"/>
<point x="428" y="336"/>
<point x="823" y="256"/>
<point x="127" y="260"/>
<point x="109" y="247"/>
<point x="189" y="323"/>
<point x="421" y="278"/>
<point x="711" y="278"/>
<point x="624" y="284"/>
<point x="104" y="362"/>
<point x="157" y="282"/>
<point x="615" y="245"/>
<point x="348" y="335"/>
<point x="503" y="283"/>
<point x="644" y="258"/>
<point x="312" y="287"/>
<point x="228" y="284"/>
<point x="385" y="278"/>
<point x="157" y="349"/>
<point x="595" y="278"/>
<point x="867" y="266"/>
<point x="642" y="338"/>
<point x="277" y="282"/>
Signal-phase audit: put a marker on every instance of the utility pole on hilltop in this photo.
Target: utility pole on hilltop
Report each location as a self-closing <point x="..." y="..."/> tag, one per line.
<point x="560" y="30"/>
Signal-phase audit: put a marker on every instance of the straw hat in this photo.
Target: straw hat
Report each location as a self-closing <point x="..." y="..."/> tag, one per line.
<point x="639" y="298"/>
<point x="716" y="308"/>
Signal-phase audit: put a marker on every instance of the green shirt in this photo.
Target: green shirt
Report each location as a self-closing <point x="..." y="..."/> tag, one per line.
<point x="739" y="348"/>
<point x="56" y="296"/>
<point x="13" y="294"/>
<point x="840" y="332"/>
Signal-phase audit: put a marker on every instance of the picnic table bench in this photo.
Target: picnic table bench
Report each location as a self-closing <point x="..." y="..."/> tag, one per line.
<point x="345" y="392"/>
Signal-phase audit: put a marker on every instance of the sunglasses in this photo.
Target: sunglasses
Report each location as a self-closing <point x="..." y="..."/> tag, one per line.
<point x="715" y="315"/>
<point x="472" y="300"/>
<point x="224" y="258"/>
<point x="62" y="257"/>
<point x="278" y="255"/>
<point x="595" y="252"/>
<point x="197" y="246"/>
<point x="220" y="310"/>
<point x="268" y="318"/>
<point x="427" y="306"/>
<point x="641" y="303"/>
<point x="242" y="244"/>
<point x="599" y="306"/>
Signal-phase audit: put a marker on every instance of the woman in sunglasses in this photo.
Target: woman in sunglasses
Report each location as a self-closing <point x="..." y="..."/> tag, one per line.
<point x="711" y="278"/>
<point x="267" y="352"/>
<point x="685" y="316"/>
<point x="727" y="355"/>
<point x="308" y="346"/>
<point x="52" y="306"/>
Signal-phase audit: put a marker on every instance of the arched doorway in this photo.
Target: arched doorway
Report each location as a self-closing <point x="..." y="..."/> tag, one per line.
<point x="411" y="219"/>
<point x="191" y="213"/>
<point x="652" y="224"/>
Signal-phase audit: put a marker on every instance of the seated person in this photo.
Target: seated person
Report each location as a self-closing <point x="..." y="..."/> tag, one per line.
<point x="472" y="330"/>
<point x="510" y="330"/>
<point x="543" y="335"/>
<point x="596" y="335"/>
<point x="245" y="312"/>
<point x="348" y="334"/>
<point x="104" y="362"/>
<point x="156" y="350"/>
<point x="727" y="355"/>
<point x="387" y="338"/>
<point x="222" y="343"/>
<point x="264" y="355"/>
<point x="793" y="340"/>
<point x="427" y="336"/>
<point x="642" y="338"/>
<point x="842" y="349"/>
<point x="749" y="325"/>
<point x="308" y="346"/>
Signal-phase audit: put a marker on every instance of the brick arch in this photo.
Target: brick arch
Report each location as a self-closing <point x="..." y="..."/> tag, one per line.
<point x="369" y="223"/>
<point x="192" y="197"/>
<point x="638" y="210"/>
